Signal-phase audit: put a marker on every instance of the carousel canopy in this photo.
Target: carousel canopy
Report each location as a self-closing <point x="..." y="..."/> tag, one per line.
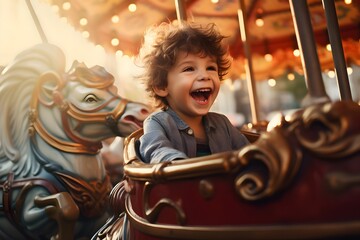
<point x="119" y="25"/>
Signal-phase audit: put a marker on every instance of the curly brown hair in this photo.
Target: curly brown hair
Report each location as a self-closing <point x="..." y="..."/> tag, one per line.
<point x="163" y="43"/>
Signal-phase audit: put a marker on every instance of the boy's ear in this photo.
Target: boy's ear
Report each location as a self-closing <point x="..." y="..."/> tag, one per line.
<point x="162" y="92"/>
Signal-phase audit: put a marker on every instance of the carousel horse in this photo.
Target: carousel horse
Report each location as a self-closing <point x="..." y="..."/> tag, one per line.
<point x="53" y="183"/>
<point x="113" y="157"/>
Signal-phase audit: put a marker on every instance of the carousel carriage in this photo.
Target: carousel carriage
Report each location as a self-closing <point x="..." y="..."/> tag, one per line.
<point x="299" y="180"/>
<point x="53" y="183"/>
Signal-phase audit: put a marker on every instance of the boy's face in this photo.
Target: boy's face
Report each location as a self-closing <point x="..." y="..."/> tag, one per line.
<point x="193" y="84"/>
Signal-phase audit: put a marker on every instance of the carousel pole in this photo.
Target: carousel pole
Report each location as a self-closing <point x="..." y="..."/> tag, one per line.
<point x="180" y="10"/>
<point x="309" y="58"/>
<point x="248" y="64"/>
<point x="36" y="21"/>
<point x="337" y="49"/>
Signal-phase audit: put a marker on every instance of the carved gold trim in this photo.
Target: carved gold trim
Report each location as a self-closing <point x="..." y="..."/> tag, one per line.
<point x="152" y="213"/>
<point x="113" y="229"/>
<point x="339" y="181"/>
<point x="206" y="189"/>
<point x="79" y="72"/>
<point x="63" y="145"/>
<point x="82" y="116"/>
<point x="129" y="146"/>
<point x="90" y="196"/>
<point x="281" y="158"/>
<point x="182" y="169"/>
<point x="341" y="132"/>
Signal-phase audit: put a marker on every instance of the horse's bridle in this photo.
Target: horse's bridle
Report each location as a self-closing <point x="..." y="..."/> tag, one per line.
<point x="68" y="110"/>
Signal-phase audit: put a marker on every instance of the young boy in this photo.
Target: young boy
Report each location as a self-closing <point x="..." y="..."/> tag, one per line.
<point x="184" y="65"/>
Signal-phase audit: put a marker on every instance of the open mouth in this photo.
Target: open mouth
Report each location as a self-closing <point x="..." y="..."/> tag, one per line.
<point x="201" y="95"/>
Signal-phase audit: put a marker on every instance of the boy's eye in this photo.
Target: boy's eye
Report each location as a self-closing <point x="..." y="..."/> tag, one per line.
<point x="188" y="69"/>
<point x="212" y="68"/>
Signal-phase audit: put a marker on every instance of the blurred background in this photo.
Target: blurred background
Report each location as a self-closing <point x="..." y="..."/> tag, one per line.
<point x="109" y="33"/>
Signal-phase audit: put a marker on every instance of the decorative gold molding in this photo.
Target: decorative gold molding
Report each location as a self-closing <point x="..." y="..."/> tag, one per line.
<point x="90" y="196"/>
<point x="280" y="157"/>
<point x="339" y="133"/>
<point x="152" y="213"/>
<point x="206" y="189"/>
<point x="340" y="181"/>
<point x="181" y="169"/>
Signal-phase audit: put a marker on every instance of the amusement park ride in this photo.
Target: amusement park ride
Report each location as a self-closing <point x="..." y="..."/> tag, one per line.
<point x="298" y="180"/>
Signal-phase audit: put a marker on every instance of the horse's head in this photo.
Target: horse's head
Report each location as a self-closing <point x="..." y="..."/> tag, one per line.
<point x="86" y="105"/>
<point x="48" y="112"/>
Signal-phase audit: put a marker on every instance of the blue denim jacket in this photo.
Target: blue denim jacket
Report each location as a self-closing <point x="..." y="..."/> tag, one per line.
<point x="167" y="137"/>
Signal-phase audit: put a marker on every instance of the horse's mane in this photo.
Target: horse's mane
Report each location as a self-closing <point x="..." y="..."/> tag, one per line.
<point x="17" y="82"/>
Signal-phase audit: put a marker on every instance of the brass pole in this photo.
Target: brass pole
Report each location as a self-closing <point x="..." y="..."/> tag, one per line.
<point x="337" y="49"/>
<point x="248" y="63"/>
<point x="180" y="10"/>
<point x="36" y="21"/>
<point x="309" y="58"/>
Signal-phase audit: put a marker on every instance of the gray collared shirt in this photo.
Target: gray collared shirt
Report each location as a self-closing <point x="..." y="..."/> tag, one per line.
<point x="167" y="137"/>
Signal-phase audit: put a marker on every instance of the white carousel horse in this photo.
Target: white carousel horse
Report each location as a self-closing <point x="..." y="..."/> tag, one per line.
<point x="112" y="155"/>
<point x="53" y="183"/>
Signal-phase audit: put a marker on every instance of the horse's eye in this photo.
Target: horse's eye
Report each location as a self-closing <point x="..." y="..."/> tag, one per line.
<point x="90" y="98"/>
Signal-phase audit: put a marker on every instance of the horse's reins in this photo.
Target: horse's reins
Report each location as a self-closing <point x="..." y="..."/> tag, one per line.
<point x="68" y="110"/>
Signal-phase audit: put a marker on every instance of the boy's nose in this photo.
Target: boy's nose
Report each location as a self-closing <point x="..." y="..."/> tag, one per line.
<point x="204" y="75"/>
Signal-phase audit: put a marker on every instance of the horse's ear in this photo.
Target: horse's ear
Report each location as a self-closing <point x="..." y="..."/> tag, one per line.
<point x="48" y="84"/>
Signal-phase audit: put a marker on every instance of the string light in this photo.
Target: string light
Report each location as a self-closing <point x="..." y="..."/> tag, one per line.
<point x="115" y="42"/>
<point x="328" y="47"/>
<point x="85" y="34"/>
<point x="66" y="5"/>
<point x="115" y="19"/>
<point x="119" y="53"/>
<point x="259" y="21"/>
<point x="268" y="57"/>
<point x="132" y="7"/>
<point x="291" y="76"/>
<point x="272" y="82"/>
<point x="296" y="52"/>
<point x="83" y="21"/>
<point x="99" y="47"/>
<point x="55" y="8"/>
<point x="64" y="20"/>
<point x="175" y="22"/>
<point x="348" y="1"/>
<point x="288" y="118"/>
<point x="331" y="74"/>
